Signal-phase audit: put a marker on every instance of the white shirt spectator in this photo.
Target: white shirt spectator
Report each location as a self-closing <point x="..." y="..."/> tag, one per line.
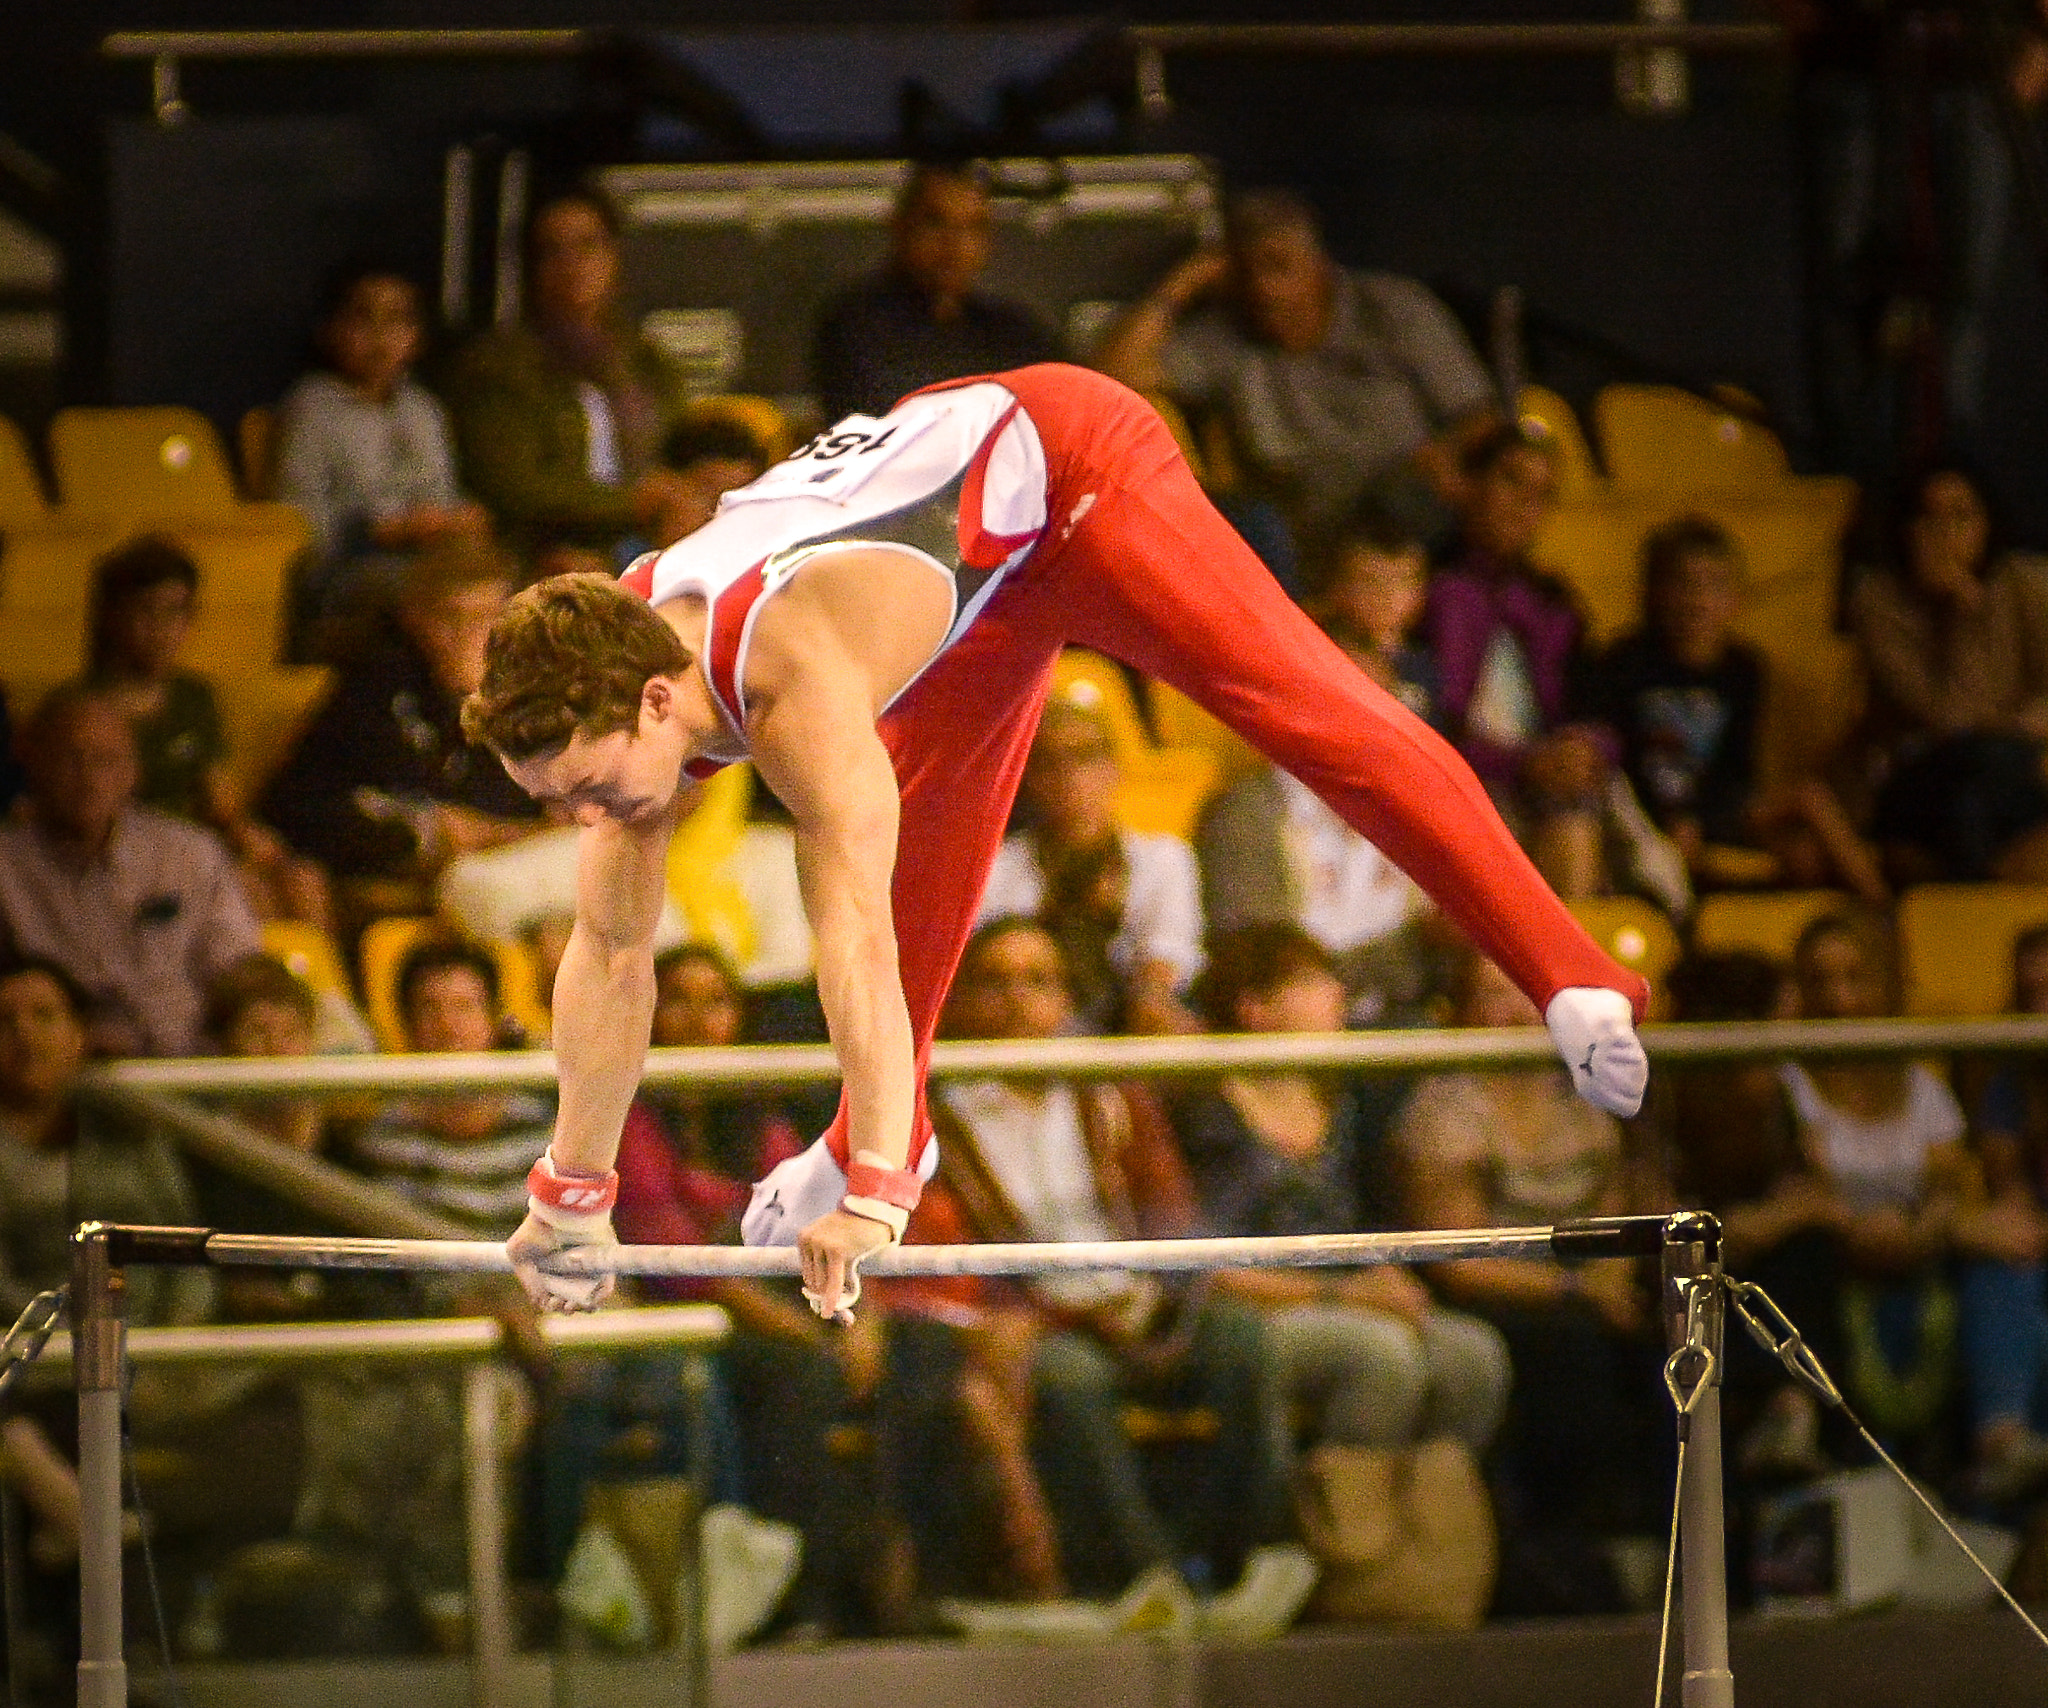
<point x="1162" y="919"/>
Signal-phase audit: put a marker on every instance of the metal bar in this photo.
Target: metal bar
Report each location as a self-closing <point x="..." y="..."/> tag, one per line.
<point x="433" y="1338"/>
<point x="508" y="256"/>
<point x="344" y="44"/>
<point x="1454" y="38"/>
<point x="458" y="222"/>
<point x="763" y="1065"/>
<point x="1695" y="1315"/>
<point x="483" y="1512"/>
<point x="96" y="1322"/>
<point x="270" y="1251"/>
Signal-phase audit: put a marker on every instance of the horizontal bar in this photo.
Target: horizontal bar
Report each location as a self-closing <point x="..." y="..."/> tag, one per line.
<point x="342" y="44"/>
<point x="444" y="1337"/>
<point x="1454" y="38"/>
<point x="758" y="1066"/>
<point x="1305" y="1251"/>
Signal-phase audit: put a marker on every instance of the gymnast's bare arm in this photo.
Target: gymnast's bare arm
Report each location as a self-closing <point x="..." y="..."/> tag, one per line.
<point x="828" y="653"/>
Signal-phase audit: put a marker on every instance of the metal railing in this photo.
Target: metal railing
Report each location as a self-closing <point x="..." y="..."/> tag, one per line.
<point x="105" y="1350"/>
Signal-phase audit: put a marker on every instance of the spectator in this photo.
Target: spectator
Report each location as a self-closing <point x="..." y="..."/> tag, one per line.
<point x="383" y="788"/>
<point x="363" y="449"/>
<point x="143" y="597"/>
<point x="1684" y="698"/>
<point x="464" y="1157"/>
<point x="709" y="457"/>
<point x="61" y="1163"/>
<point x="140" y="908"/>
<point x="1885" y="1136"/>
<point x="921" y="320"/>
<point x="1051" y="1161"/>
<point x="1369" y="1354"/>
<point x="558" y="419"/>
<point x="2005" y="1312"/>
<point x="1956" y="643"/>
<point x="1334" y="383"/>
<point x="1515" y="1148"/>
<point x="1509" y="644"/>
<point x="1125" y="906"/>
<point x="686" y="1163"/>
<point x="1272" y="852"/>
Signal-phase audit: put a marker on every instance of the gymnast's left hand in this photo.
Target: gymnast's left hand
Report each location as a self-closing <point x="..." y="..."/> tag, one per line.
<point x="538" y="1237"/>
<point x="830" y="1250"/>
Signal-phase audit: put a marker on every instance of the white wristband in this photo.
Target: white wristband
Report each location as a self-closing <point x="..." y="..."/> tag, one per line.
<point x="892" y="1216"/>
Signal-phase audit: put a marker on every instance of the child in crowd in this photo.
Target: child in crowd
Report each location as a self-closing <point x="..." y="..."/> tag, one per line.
<point x="142" y="603"/>
<point x="709" y="456"/>
<point x="1372" y="600"/>
<point x="1685" y="701"/>
<point x="364" y="450"/>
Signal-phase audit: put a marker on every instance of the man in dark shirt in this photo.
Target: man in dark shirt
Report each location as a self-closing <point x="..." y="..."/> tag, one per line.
<point x="383" y="786"/>
<point x="920" y="320"/>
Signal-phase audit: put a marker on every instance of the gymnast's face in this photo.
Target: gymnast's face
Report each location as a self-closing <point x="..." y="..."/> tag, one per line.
<point x="629" y="776"/>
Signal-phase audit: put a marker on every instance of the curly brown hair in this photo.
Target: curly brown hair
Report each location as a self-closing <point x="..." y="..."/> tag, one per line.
<point x="570" y="655"/>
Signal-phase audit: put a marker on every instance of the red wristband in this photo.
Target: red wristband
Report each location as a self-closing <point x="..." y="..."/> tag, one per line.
<point x="578" y="1194"/>
<point x="898" y="1186"/>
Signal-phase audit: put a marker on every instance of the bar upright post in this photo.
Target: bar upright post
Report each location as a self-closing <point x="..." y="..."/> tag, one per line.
<point x="98" y="1355"/>
<point x="1694" y="1302"/>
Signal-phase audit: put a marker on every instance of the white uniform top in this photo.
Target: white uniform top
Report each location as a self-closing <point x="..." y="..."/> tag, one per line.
<point x="954" y="478"/>
<point x="1877" y="1163"/>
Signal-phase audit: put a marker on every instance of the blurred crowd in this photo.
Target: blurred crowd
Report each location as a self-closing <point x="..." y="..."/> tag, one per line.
<point x="1122" y="1439"/>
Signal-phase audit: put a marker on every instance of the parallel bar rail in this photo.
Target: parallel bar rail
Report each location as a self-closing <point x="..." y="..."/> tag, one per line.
<point x="1082" y="1058"/>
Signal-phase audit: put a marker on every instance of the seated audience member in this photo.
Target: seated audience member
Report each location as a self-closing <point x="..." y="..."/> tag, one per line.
<point x="1885" y="1137"/>
<point x="558" y="419"/>
<point x="1036" y="1160"/>
<point x="1333" y="383"/>
<point x="363" y="449"/>
<point x="143" y="597"/>
<point x="920" y="319"/>
<point x="2004" y="1311"/>
<point x="466" y="1156"/>
<point x="1509" y="645"/>
<point x="1684" y="698"/>
<point x="1369" y="1353"/>
<point x="1954" y="636"/>
<point x="61" y="1163"/>
<point x="140" y="908"/>
<point x="1514" y="1148"/>
<point x="1271" y="851"/>
<point x="1125" y="907"/>
<point x="709" y="457"/>
<point x="686" y="1164"/>
<point x="383" y="788"/>
<point x="1371" y="601"/>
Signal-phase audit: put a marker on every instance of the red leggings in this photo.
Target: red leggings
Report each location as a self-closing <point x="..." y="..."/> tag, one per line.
<point x="1136" y="563"/>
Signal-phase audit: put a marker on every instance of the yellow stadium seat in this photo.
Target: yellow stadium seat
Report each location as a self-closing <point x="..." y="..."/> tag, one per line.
<point x="1957" y="942"/>
<point x="261" y="713"/>
<point x="1162" y="791"/>
<point x="1183" y="432"/>
<point x="1097" y="684"/>
<point x="1547" y="416"/>
<point x="21" y="488"/>
<point x="1665" y="439"/>
<point x="700" y="876"/>
<point x="519" y="992"/>
<point x="141" y="463"/>
<point x="1768" y="922"/>
<point x="1635" y="933"/>
<point x="1183" y="723"/>
<point x="760" y="418"/>
<point x="310" y="954"/>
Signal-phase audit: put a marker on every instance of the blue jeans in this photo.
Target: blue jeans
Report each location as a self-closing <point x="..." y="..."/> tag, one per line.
<point x="2004" y="1328"/>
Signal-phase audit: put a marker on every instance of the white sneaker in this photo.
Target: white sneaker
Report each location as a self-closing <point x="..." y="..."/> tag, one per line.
<point x="1158" y="1603"/>
<point x="749" y="1564"/>
<point x="1268" y="1597"/>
